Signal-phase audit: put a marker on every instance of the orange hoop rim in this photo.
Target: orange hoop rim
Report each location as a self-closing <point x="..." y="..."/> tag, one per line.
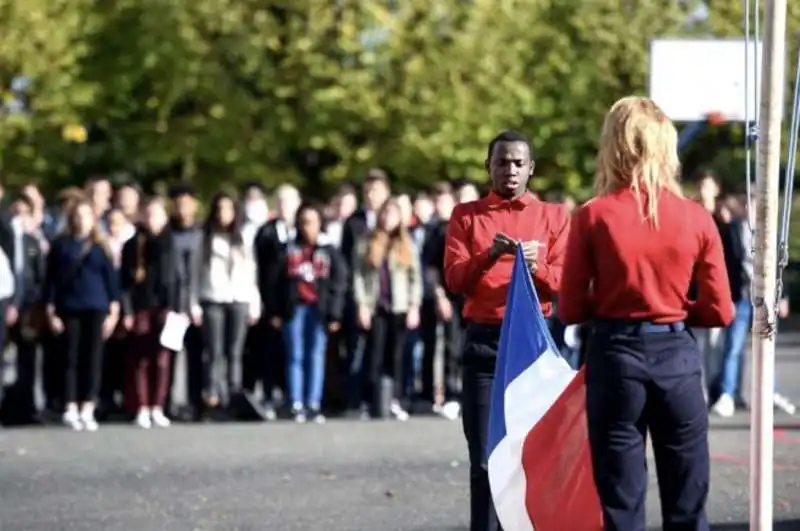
<point x="715" y="118"/>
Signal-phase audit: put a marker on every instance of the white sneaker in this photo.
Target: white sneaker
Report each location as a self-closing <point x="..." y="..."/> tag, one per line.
<point x="87" y="418"/>
<point x="451" y="410"/>
<point x="725" y="406"/>
<point x="143" y="419"/>
<point x="159" y="418"/>
<point x="784" y="404"/>
<point x="72" y="420"/>
<point x="398" y="412"/>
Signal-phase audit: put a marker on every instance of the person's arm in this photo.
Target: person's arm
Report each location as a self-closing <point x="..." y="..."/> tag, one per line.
<point x="255" y="306"/>
<point x="714" y="305"/>
<point x="574" y="299"/>
<point x="359" y="285"/>
<point x="52" y="267"/>
<point x="462" y="268"/>
<point x="548" y="272"/>
<point x="195" y="270"/>
<point x="337" y="285"/>
<point x="126" y="275"/>
<point x="111" y="281"/>
<point x="415" y="281"/>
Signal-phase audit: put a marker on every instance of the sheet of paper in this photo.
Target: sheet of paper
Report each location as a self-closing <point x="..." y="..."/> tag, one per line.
<point x="174" y="331"/>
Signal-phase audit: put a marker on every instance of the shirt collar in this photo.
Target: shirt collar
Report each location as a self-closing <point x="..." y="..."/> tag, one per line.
<point x="496" y="202"/>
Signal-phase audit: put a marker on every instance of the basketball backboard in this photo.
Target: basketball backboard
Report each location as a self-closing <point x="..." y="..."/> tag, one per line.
<point x="691" y="79"/>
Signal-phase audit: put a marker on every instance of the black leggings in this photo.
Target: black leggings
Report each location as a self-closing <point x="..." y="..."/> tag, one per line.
<point x="385" y="346"/>
<point x="83" y="342"/>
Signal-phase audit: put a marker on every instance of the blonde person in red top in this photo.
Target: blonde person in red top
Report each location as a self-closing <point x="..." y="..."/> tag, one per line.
<point x="632" y="254"/>
<point x="479" y="254"/>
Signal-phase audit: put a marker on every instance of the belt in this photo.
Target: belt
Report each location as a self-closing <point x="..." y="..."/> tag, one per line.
<point x="638" y="328"/>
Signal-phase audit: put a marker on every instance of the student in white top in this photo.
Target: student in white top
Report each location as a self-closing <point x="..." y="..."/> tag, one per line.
<point x="230" y="299"/>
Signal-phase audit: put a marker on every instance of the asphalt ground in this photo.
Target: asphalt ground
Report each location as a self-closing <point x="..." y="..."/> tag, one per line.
<point x="346" y="475"/>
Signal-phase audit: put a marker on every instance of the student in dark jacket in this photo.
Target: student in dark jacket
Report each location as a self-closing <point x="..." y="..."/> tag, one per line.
<point x="269" y="246"/>
<point x="310" y="300"/>
<point x="25" y="319"/>
<point x="149" y="291"/>
<point x="187" y="237"/>
<point x="82" y="296"/>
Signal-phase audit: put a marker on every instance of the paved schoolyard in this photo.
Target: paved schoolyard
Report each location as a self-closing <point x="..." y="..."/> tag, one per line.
<point x="346" y="475"/>
<point x="343" y="476"/>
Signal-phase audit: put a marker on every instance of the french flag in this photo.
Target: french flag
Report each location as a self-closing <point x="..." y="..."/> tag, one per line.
<point x="540" y="467"/>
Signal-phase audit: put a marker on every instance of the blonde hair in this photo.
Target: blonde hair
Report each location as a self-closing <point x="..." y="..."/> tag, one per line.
<point x="638" y="149"/>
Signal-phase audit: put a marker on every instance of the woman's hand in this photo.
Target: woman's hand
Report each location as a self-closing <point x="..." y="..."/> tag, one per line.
<point x="412" y="318"/>
<point x="109" y="323"/>
<point x="127" y="323"/>
<point x="364" y="318"/>
<point x="56" y="324"/>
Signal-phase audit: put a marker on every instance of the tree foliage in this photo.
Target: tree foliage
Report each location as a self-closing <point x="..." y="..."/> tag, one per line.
<point x="315" y="91"/>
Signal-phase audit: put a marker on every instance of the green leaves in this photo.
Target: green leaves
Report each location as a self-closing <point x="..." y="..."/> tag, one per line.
<point x="314" y="91"/>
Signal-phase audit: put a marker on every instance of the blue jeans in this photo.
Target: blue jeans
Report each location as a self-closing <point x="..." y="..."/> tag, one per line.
<point x="306" y="340"/>
<point x="735" y="345"/>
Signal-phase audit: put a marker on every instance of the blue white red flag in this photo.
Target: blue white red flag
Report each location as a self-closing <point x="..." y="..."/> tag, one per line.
<point x="540" y="468"/>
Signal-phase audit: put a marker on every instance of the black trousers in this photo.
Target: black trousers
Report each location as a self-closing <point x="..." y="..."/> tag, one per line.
<point x="19" y="403"/>
<point x="479" y="359"/>
<point x="194" y="347"/>
<point x="640" y="380"/>
<point x="83" y="338"/>
<point x="53" y="368"/>
<point x="452" y="351"/>
<point x="385" y="345"/>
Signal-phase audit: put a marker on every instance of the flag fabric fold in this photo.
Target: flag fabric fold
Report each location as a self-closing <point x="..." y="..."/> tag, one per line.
<point x="537" y="448"/>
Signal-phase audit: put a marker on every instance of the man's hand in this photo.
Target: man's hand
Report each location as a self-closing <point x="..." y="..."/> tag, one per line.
<point x="501" y="245"/>
<point x="531" y="252"/>
<point x="12" y="315"/>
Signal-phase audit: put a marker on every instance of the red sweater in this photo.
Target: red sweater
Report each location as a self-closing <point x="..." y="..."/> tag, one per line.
<point x="468" y="269"/>
<point x="618" y="266"/>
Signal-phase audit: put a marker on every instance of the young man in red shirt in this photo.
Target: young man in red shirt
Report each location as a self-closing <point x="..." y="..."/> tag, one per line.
<point x="479" y="254"/>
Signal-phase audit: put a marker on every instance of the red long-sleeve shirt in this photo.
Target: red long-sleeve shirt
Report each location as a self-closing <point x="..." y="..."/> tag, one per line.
<point x="618" y="266"/>
<point x="469" y="271"/>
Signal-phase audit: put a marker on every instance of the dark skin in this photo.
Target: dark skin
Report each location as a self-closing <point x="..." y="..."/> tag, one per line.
<point x="510" y="168"/>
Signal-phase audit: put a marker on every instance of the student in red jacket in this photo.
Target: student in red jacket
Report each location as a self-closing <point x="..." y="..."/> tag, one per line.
<point x="632" y="253"/>
<point x="480" y="243"/>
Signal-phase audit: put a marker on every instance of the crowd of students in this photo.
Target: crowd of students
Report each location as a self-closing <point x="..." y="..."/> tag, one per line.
<point x="295" y="308"/>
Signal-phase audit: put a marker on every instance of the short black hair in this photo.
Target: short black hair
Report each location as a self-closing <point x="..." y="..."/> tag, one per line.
<point x="180" y="190"/>
<point x="376" y="175"/>
<point x="509" y="136"/>
<point x="313" y="206"/>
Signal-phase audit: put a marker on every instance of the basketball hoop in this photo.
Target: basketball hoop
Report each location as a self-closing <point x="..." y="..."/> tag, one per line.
<point x="715" y="118"/>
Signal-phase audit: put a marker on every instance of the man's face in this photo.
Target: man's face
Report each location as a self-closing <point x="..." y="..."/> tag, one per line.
<point x="186" y="207"/>
<point x="709" y="190"/>
<point x="128" y="201"/>
<point x="510" y="167"/>
<point x="22" y="212"/>
<point x="287" y="205"/>
<point x="99" y="193"/>
<point x="423" y="209"/>
<point x="444" y="206"/>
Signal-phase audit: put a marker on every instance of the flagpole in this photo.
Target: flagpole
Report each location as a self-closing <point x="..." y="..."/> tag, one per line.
<point x="765" y="266"/>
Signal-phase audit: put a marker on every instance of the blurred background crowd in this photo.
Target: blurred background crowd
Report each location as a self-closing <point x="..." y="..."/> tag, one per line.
<point x="297" y="309"/>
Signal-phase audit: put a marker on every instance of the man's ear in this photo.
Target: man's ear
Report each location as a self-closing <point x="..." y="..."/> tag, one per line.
<point x="533" y="167"/>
